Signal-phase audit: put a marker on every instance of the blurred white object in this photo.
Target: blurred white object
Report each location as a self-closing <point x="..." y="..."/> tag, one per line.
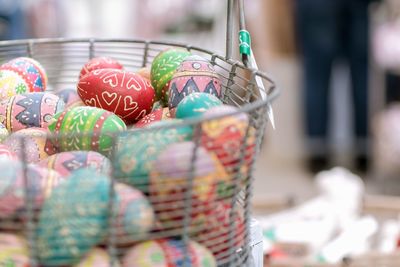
<point x="389" y="236"/>
<point x="316" y="221"/>
<point x="256" y="244"/>
<point x="386" y="45"/>
<point x="353" y="241"/>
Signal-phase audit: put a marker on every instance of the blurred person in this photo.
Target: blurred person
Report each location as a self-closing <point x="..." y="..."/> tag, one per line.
<point x="328" y="30"/>
<point x="12" y="23"/>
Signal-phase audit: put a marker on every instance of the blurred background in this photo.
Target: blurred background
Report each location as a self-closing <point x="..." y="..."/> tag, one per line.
<point x="336" y="64"/>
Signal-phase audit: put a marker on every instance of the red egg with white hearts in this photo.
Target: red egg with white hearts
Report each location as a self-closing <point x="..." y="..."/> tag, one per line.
<point x="157" y="115"/>
<point x="67" y="162"/>
<point x="195" y="74"/>
<point x="100" y="63"/>
<point x="127" y="94"/>
<point x="226" y="136"/>
<point x="36" y="145"/>
<point x="29" y="110"/>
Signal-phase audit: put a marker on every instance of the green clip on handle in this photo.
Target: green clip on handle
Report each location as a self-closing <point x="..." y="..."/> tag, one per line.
<point x="244" y="42"/>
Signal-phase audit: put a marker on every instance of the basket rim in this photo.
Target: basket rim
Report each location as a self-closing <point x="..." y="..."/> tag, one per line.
<point x="271" y="94"/>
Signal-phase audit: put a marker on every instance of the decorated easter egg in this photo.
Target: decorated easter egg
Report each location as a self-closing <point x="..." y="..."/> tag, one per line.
<point x="100" y="63"/>
<point x="157" y="115"/>
<point x="11" y="83"/>
<point x="196" y="104"/>
<point x="70" y="97"/>
<point x="137" y="151"/>
<point x="67" y="162"/>
<point x="124" y="93"/>
<point x="73" y="219"/>
<point x="135" y="216"/>
<point x="97" y="257"/>
<point x="3" y="132"/>
<point x="29" y="110"/>
<point x="12" y="187"/>
<point x="145" y="73"/>
<point x="7" y="152"/>
<point x="217" y="226"/>
<point x="163" y="68"/>
<point x="31" y="71"/>
<point x="225" y="136"/>
<point x="13" y="251"/>
<point x="169" y="181"/>
<point x="36" y="146"/>
<point x="195" y="74"/>
<point x="169" y="252"/>
<point x="86" y="128"/>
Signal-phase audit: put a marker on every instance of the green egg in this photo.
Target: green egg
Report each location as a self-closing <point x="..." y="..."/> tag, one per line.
<point x="88" y="128"/>
<point x="163" y="68"/>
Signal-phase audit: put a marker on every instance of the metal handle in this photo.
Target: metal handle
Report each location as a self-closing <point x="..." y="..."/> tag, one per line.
<point x="244" y="35"/>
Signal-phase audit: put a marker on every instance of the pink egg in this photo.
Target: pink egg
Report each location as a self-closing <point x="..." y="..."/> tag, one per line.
<point x="67" y="162"/>
<point x="195" y="74"/>
<point x="37" y="146"/>
<point x="29" y="110"/>
<point x="5" y="151"/>
<point x="13" y="184"/>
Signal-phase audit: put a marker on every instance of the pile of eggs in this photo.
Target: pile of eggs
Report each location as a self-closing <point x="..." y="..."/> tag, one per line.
<point x="75" y="161"/>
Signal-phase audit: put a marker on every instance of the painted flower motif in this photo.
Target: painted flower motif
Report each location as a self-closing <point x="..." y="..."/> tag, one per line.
<point x="20" y="88"/>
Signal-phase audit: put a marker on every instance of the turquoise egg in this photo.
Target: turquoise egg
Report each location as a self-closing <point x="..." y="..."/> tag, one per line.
<point x="196" y="104"/>
<point x="137" y="150"/>
<point x="73" y="218"/>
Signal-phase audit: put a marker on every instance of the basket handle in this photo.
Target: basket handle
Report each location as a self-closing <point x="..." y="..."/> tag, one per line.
<point x="245" y="51"/>
<point x="244" y="35"/>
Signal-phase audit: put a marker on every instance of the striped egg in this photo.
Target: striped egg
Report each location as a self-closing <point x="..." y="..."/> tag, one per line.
<point x="86" y="128"/>
<point x="29" y="110"/>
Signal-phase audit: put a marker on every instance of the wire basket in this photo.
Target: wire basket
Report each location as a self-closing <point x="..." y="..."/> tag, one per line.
<point x="191" y="205"/>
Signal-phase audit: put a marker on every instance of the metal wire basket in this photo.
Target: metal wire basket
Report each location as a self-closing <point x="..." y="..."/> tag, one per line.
<point x="179" y="216"/>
